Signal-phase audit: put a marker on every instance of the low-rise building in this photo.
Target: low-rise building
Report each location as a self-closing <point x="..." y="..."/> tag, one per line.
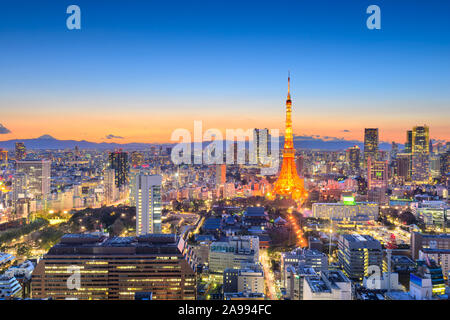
<point x="330" y="285"/>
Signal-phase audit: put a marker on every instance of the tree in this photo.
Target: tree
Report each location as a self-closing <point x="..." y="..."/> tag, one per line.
<point x="23" y="250"/>
<point x="408" y="218"/>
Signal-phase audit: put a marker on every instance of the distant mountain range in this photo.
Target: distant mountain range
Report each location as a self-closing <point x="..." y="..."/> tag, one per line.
<point x="300" y="142"/>
<point x="48" y="142"/>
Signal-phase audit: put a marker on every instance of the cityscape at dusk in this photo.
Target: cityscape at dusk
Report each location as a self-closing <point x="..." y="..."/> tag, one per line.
<point x="225" y="151"/>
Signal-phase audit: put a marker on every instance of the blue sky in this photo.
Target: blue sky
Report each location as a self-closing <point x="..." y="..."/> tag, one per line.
<point x="224" y="61"/>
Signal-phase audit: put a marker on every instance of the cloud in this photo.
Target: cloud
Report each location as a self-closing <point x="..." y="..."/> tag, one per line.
<point x="345" y="130"/>
<point x="111" y="136"/>
<point x="4" y="130"/>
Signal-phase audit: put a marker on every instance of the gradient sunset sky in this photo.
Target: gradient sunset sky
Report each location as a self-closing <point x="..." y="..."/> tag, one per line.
<point x="140" y="69"/>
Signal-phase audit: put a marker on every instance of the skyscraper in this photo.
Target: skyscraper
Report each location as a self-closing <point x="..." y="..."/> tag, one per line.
<point x="221" y="174"/>
<point x="289" y="184"/>
<point x="20" y="151"/>
<point x="118" y="161"/>
<point x="370" y="144"/>
<point x="148" y="203"/>
<point x="38" y="177"/>
<point x="261" y="145"/>
<point x="420" y="154"/>
<point x="353" y="160"/>
<point x="19" y="185"/>
<point x="377" y="180"/>
<point x="377" y="174"/>
<point x="408" y="143"/>
<point x="404" y="166"/>
<point x="109" y="182"/>
<point x="300" y="163"/>
<point x="421" y="139"/>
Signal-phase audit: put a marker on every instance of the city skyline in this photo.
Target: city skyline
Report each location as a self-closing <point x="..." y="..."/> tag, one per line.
<point x="137" y="75"/>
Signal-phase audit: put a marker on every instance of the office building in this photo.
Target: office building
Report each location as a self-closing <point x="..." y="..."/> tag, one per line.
<point x="109" y="183"/>
<point x="403" y="168"/>
<point x="221" y="174"/>
<point x="148" y="203"/>
<point x="232" y="253"/>
<point x="114" y="268"/>
<point x="346" y="211"/>
<point x="421" y="140"/>
<point x="433" y="213"/>
<point x="427" y="282"/>
<point x="377" y="174"/>
<point x="248" y="279"/>
<point x="421" y="241"/>
<point x="356" y="253"/>
<point x="420" y="154"/>
<point x="377" y="180"/>
<point x="301" y="258"/>
<point x="37" y="174"/>
<point x="440" y="256"/>
<point x="9" y="286"/>
<point x="353" y="160"/>
<point x="294" y="281"/>
<point x="330" y="285"/>
<point x="370" y="144"/>
<point x="408" y="143"/>
<point x="19" y="186"/>
<point x="3" y="157"/>
<point x="118" y="161"/>
<point x="20" y="151"/>
<point x="261" y="146"/>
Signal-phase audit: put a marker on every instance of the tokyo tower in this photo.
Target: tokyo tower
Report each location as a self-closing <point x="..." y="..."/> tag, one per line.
<point x="289" y="184"/>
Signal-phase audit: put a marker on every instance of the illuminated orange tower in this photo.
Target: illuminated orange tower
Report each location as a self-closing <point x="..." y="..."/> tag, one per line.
<point x="289" y="184"/>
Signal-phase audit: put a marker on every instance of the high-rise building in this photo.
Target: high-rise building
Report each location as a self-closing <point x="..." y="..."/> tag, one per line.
<point x="261" y="146"/>
<point x="289" y="184"/>
<point x="420" y="167"/>
<point x="408" y="143"/>
<point x="110" y="188"/>
<point x="19" y="186"/>
<point x="3" y="157"/>
<point x="377" y="174"/>
<point x="403" y="168"/>
<point x="353" y="160"/>
<point x="148" y="204"/>
<point x="114" y="268"/>
<point x="38" y="177"/>
<point x="420" y="154"/>
<point x="421" y="140"/>
<point x="356" y="253"/>
<point x="21" y="151"/>
<point x="370" y="144"/>
<point x="377" y="181"/>
<point x="445" y="163"/>
<point x="118" y="161"/>
<point x="394" y="151"/>
<point x="221" y="174"/>
<point x="300" y="163"/>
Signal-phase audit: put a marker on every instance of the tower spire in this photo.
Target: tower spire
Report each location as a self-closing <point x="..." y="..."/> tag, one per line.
<point x="289" y="85"/>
